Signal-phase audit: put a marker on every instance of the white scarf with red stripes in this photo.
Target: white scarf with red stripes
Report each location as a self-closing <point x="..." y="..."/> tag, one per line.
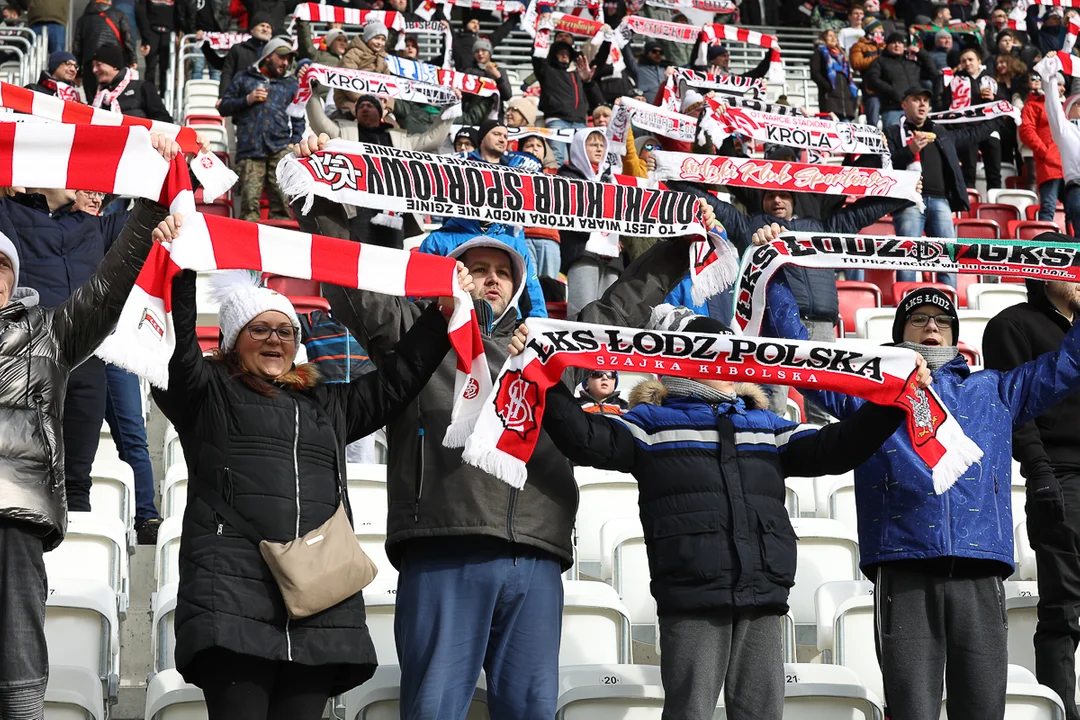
<point x="105" y="96"/>
<point x="216" y="177"/>
<point x="713" y="34"/>
<point x="122" y="161"/>
<point x="510" y="421"/>
<point x="366" y="82"/>
<point x="317" y="12"/>
<point x="222" y="41"/>
<point x="649" y="118"/>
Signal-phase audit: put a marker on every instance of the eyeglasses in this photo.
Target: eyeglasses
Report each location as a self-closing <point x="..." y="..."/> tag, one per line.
<point x="601" y="375"/>
<point x="656" y="50"/>
<point x="920" y="319"/>
<point x="93" y="195"/>
<point x="260" y="333"/>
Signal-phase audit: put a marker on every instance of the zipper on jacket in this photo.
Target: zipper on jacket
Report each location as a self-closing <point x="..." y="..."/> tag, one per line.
<point x="296" y="476"/>
<point x="510" y="515"/>
<point x="226" y="495"/>
<point x="419" y="473"/>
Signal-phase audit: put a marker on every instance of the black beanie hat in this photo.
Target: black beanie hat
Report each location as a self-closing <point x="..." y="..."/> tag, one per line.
<point x="918" y="298"/>
<point x="486" y="127"/>
<point x="260" y="17"/>
<point x="374" y="100"/>
<point x="705" y="324"/>
<point x="109" y="55"/>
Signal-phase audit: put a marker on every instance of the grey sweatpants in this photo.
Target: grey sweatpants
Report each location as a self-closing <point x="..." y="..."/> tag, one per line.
<point x="929" y="626"/>
<point x="24" y="659"/>
<point x="741" y="651"/>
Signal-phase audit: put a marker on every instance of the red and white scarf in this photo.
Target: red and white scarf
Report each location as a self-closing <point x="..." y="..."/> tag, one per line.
<point x="216" y="177"/>
<point x="62" y="90"/>
<point x="317" y="12"/>
<point x="714" y="34"/>
<point x="430" y="28"/>
<point x="425" y="73"/>
<point x="222" y="41"/>
<point x="789" y="176"/>
<point x="719" y="7"/>
<point x="976" y="113"/>
<point x="1071" y="33"/>
<point x="366" y="82"/>
<point x="649" y="118"/>
<point x="658" y="29"/>
<point x="812" y="133"/>
<point x="509" y="425"/>
<point x="1059" y="62"/>
<point x="122" y="161"/>
<point x="386" y="178"/>
<point x="111" y="98"/>
<point x="715" y="81"/>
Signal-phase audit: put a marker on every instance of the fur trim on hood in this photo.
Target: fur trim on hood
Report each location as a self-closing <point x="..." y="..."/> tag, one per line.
<point x="301" y="377"/>
<point x="653" y="392"/>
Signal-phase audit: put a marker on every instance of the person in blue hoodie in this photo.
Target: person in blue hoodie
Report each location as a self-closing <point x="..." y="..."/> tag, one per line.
<point x="492" y="138"/>
<point x="937" y="561"/>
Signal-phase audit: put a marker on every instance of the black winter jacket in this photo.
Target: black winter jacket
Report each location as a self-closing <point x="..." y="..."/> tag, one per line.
<point x="717" y="533"/>
<point x="433" y="494"/>
<point x="279" y="461"/>
<point x="890" y="76"/>
<point x="1021" y="333"/>
<point x="947" y="140"/>
<point x="99" y="25"/>
<point x="814" y="290"/>
<point x="139" y="99"/>
<point x="462" y="52"/>
<point x="209" y="15"/>
<point x="563" y="95"/>
<point x="39" y="347"/>
<point x="150" y="14"/>
<point x="241" y="56"/>
<point x="832" y="99"/>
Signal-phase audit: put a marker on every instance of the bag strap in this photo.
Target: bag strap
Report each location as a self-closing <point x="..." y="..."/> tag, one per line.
<point x="116" y="30"/>
<point x="226" y="511"/>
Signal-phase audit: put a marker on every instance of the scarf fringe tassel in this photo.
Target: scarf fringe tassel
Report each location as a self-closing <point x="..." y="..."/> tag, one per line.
<point x="491" y="460"/>
<point x="296" y="182"/>
<point x="961" y="453"/>
<point x="719" y="275"/>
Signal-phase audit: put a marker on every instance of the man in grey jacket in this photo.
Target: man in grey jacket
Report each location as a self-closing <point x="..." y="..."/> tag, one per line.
<point x="479" y="561"/>
<point x="39" y="347"/>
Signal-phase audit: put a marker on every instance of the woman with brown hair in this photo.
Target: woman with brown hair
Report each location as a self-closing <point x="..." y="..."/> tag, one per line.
<point x="1011" y="75"/>
<point x="264" y="440"/>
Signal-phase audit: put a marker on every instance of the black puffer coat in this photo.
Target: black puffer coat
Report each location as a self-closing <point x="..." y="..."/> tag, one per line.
<point x="279" y="461"/>
<point x="38" y="349"/>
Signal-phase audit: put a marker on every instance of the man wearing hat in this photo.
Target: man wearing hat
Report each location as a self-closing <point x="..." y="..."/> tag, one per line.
<point x="719" y="61"/>
<point x="567" y="95"/>
<point x="475" y="108"/>
<point x="119" y="92"/>
<point x="59" y="77"/>
<point x="897" y="69"/>
<point x="938" y="560"/>
<point x="464" y="39"/>
<point x="651" y="69"/>
<point x="915" y="142"/>
<point x="241" y="55"/>
<point x="257" y="100"/>
<point x="865" y="51"/>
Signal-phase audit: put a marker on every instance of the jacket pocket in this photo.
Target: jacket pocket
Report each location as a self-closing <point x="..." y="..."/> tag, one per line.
<point x="688" y="546"/>
<point x="778" y="549"/>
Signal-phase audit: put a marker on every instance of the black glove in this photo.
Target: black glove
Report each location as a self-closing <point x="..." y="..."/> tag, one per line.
<point x="1045" y="505"/>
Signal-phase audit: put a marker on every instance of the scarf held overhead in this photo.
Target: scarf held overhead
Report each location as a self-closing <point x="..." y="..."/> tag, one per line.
<point x="366" y="82"/>
<point x="122" y="161"/>
<point x="215" y="177"/>
<point x="650" y="118"/>
<point x="789" y="176"/>
<point x="386" y="178"/>
<point x="425" y="73"/>
<point x="318" y="12"/>
<point x="509" y="425"/>
<point x="715" y="34"/>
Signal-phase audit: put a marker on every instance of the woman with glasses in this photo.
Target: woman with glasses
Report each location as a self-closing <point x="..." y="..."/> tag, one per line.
<point x="265" y="436"/>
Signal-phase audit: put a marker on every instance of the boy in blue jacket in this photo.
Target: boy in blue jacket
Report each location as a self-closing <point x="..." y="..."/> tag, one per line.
<point x="937" y="561"/>
<point x="710" y="461"/>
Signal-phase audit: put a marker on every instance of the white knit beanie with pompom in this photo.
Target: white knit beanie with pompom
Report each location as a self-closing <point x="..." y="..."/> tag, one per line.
<point x="242" y="299"/>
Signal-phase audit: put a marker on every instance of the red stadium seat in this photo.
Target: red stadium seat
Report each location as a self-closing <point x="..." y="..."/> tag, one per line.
<point x="962" y="282"/>
<point x="308" y="303"/>
<point x="977" y="229"/>
<point x="215" y="209"/>
<point x="1031" y="212"/>
<point x="884" y="226"/>
<point x="204" y="120"/>
<point x="970" y="354"/>
<point x="853" y="295"/>
<point x="901" y="289"/>
<point x="1030" y="229"/>
<point x="226" y="199"/>
<point x="974" y="200"/>
<point x="556" y="310"/>
<point x="208" y="337"/>
<point x="795" y="396"/>
<point x="1001" y="213"/>
<point x="884" y="279"/>
<point x="291" y="287"/>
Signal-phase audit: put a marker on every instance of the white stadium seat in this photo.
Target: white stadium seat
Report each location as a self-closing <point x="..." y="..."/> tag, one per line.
<point x="839" y="493"/>
<point x="1025" y="699"/>
<point x="95" y="548"/>
<point x="82" y="629"/>
<point x="827" y="600"/>
<point x="992" y="298"/>
<point x="174" y="491"/>
<point x="112" y="492"/>
<point x="163" y="637"/>
<point x="372" y="537"/>
<point x="827" y="550"/>
<point x="74" y="693"/>
<point x="378" y="698"/>
<point x="630" y="578"/>
<point x="1012" y="196"/>
<point x="610" y="531"/>
<point x="973" y="324"/>
<point x="604" y="496"/>
<point x="595" y="625"/>
<point x="613" y="692"/>
<point x="168" y="697"/>
<point x="1026" y="568"/>
<point x="814" y="691"/>
<point x="174" y="452"/>
<point x="380" y="598"/>
<point x="367" y="493"/>
<point x="1022" y="620"/>
<point x="874" y="324"/>
<point x="167" y="554"/>
<point x="803" y="488"/>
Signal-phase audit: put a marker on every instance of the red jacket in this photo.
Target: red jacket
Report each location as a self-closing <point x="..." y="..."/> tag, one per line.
<point x="1035" y="133"/>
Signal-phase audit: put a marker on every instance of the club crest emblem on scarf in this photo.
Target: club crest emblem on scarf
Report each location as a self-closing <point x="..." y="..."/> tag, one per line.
<point x="515" y="401"/>
<point x="923" y="416"/>
<point x="335" y="169"/>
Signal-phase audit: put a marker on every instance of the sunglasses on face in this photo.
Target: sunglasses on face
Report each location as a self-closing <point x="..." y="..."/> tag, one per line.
<point x="601" y="375"/>
<point x="260" y="333"/>
<point x="920" y="319"/>
<point x="650" y="147"/>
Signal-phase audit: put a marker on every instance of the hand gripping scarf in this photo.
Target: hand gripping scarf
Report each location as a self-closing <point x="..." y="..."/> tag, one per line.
<point x="216" y="177"/>
<point x="386" y="178"/>
<point x="122" y="161"/>
<point x="713" y="34"/>
<point x="789" y="176"/>
<point x="812" y="133"/>
<point x="509" y="424"/>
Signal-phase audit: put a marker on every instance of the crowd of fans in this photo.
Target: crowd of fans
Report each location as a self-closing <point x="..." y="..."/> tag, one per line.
<point x="480" y="563"/>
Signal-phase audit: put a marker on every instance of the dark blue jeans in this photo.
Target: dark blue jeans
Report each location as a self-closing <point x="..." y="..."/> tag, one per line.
<point x="1049" y="192"/>
<point x="872" y="105"/>
<point x="123" y="412"/>
<point x="54" y="33"/>
<point x="469" y="603"/>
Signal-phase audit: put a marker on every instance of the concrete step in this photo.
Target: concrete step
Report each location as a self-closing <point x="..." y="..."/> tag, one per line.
<point x="136" y="658"/>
